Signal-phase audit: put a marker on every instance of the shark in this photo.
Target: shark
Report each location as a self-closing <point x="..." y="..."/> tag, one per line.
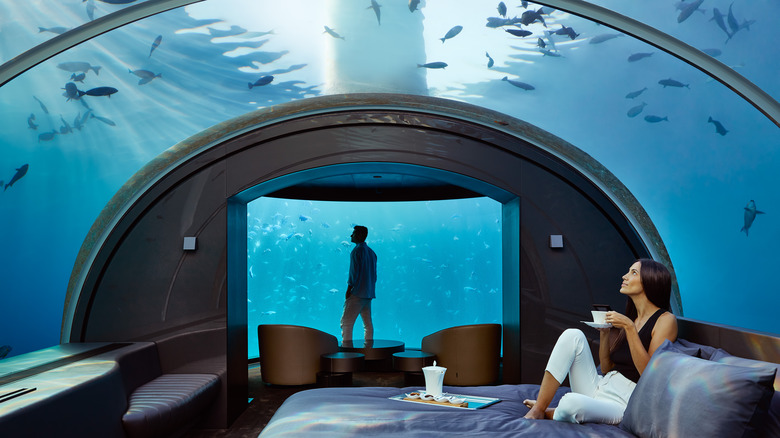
<point x="750" y="215"/>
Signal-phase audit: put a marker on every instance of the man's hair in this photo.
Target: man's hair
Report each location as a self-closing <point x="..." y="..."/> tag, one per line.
<point x="361" y="233"/>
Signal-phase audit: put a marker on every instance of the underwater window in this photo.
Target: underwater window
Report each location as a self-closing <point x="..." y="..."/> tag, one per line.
<point x="438" y="264"/>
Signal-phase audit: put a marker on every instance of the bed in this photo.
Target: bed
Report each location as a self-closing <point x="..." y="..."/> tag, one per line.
<point x="686" y="390"/>
<point x="331" y="412"/>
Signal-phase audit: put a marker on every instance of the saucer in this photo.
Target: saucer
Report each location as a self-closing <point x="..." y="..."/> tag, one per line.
<point x="597" y="325"/>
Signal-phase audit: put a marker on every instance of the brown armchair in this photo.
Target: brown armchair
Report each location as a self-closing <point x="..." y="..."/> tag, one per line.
<point x="471" y="353"/>
<point x="290" y="354"/>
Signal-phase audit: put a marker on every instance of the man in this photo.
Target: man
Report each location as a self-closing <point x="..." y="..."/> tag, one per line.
<point x="360" y="287"/>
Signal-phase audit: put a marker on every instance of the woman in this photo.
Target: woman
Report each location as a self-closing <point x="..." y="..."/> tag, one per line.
<point x="624" y="356"/>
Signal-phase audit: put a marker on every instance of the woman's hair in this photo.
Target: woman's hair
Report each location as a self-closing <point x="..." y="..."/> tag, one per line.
<point x="657" y="284"/>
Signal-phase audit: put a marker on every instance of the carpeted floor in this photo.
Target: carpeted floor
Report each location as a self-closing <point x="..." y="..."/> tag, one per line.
<point x="266" y="399"/>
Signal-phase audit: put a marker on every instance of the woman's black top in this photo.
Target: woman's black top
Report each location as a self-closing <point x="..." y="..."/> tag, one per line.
<point x="621" y="356"/>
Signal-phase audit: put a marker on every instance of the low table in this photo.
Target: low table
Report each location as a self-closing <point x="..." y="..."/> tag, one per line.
<point x="378" y="352"/>
<point x="411" y="362"/>
<point x="336" y="368"/>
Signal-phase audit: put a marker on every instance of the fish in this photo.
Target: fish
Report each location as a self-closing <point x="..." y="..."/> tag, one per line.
<point x="672" y="83"/>
<point x="59" y="30"/>
<point x="79" y="66"/>
<point x="732" y="21"/>
<point x="519" y="32"/>
<point x="530" y="17"/>
<point x="496" y="22"/>
<point x="4" y="350"/>
<point x="502" y="9"/>
<point x="46" y="136"/>
<point x="304" y="218"/>
<point x="333" y="33"/>
<point x="637" y="56"/>
<point x="20" y="172"/>
<point x="451" y="33"/>
<point x="713" y="52"/>
<point x="43" y="107"/>
<point x="31" y="122"/>
<point x="490" y="60"/>
<point x="78" y="77"/>
<point x="655" y="119"/>
<point x="433" y="65"/>
<point x="540" y="43"/>
<point x="598" y="39"/>
<point x="375" y="6"/>
<point x="265" y="80"/>
<point x="413" y="5"/>
<point x="77" y="122"/>
<point x="750" y="216"/>
<point x="155" y="44"/>
<point x="567" y="31"/>
<point x="108" y="122"/>
<point x="145" y="75"/>
<point x="687" y="9"/>
<point x="546" y="52"/>
<point x="633" y="112"/>
<point x="636" y="93"/>
<point x="718" y="126"/>
<point x="519" y="84"/>
<point x="720" y="21"/>
<point x="91" y="9"/>
<point x="101" y="91"/>
<point x="72" y="92"/>
<point x="65" y="128"/>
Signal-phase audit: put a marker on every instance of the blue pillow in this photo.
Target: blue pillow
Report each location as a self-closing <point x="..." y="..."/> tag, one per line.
<point x="684" y="396"/>
<point x="694" y="349"/>
<point x="772" y="426"/>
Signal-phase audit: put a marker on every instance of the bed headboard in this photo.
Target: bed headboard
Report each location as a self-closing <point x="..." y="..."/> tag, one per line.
<point x="737" y="341"/>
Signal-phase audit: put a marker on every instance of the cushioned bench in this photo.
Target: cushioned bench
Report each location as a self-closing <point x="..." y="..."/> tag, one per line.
<point x="169" y="404"/>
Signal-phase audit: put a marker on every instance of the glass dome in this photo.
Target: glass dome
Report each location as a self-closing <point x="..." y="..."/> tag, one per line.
<point x="94" y="90"/>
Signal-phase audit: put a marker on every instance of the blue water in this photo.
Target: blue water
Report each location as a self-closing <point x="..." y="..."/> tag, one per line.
<point x="693" y="182"/>
<point x="438" y="264"/>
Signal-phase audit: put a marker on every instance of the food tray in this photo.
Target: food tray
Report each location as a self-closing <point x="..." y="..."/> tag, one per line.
<point x="471" y="401"/>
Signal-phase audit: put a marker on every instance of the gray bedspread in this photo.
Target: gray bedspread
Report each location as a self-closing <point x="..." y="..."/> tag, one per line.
<point x="339" y="412"/>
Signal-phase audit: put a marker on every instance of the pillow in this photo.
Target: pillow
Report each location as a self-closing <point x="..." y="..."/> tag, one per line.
<point x="772" y="425"/>
<point x="684" y="396"/>
<point x="694" y="349"/>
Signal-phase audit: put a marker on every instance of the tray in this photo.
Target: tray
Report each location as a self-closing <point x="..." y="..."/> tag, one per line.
<point x="472" y="401"/>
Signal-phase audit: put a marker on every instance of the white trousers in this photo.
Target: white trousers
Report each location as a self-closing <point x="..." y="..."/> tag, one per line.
<point x="594" y="398"/>
<point x="354" y="306"/>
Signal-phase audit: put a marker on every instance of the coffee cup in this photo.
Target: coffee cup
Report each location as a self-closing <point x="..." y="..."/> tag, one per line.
<point x="599" y="316"/>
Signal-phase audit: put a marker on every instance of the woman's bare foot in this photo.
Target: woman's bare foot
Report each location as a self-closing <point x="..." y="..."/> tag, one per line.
<point x="537" y="413"/>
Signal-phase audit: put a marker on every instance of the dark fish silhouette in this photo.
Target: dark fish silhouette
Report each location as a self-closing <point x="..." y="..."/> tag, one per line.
<point x="732" y="21"/>
<point x="101" y="91"/>
<point x="265" y="80"/>
<point x="633" y="112"/>
<point x="375" y="6"/>
<point x="718" y="126"/>
<point x="490" y="60"/>
<point x="78" y="77"/>
<point x="413" y="5"/>
<point x="529" y="17"/>
<point x="519" y="84"/>
<point x="636" y="93"/>
<point x="91" y="9"/>
<point x="598" y="39"/>
<point x="637" y="56"/>
<point x="155" y="44"/>
<point x="433" y="65"/>
<point x="78" y="66"/>
<point x="519" y="32"/>
<point x="655" y="119"/>
<point x="20" y="172"/>
<point x="72" y="92"/>
<point x="108" y="122"/>
<point x="720" y="21"/>
<point x="333" y="33"/>
<point x="43" y="107"/>
<point x="4" y="350"/>
<point x="46" y="136"/>
<point x="59" y="30"/>
<point x="502" y="9"/>
<point x="713" y="52"/>
<point x="567" y="31"/>
<point x="145" y="75"/>
<point x="451" y="33"/>
<point x="672" y="83"/>
<point x="750" y="216"/>
<point x="688" y="9"/>
<point x="31" y="122"/>
<point x="496" y="22"/>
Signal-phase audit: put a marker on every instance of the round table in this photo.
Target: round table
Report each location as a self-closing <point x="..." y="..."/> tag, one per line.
<point x="336" y="368"/>
<point x="411" y="362"/>
<point x="378" y="352"/>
